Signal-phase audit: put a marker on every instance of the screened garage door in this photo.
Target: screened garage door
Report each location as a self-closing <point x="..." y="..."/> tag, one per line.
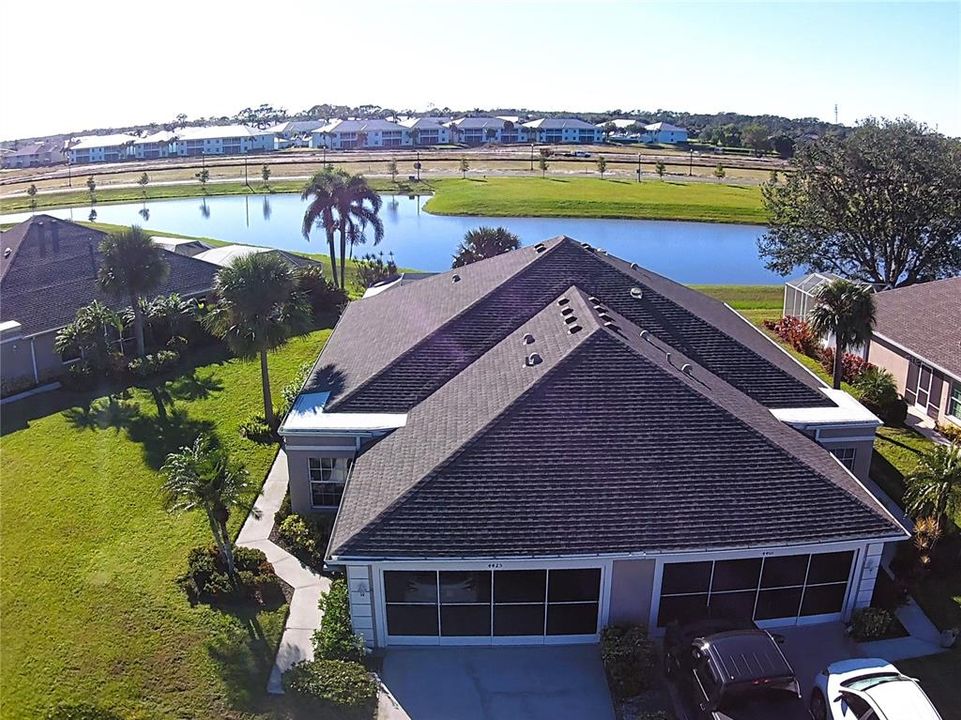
<point x="479" y="606"/>
<point x="787" y="588"/>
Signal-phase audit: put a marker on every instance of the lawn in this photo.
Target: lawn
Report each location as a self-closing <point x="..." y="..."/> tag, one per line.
<point x="90" y="609"/>
<point x="596" y="198"/>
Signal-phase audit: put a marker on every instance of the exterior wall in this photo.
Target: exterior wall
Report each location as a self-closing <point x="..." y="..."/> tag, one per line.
<point x="863" y="450"/>
<point x="28" y="361"/>
<point x="632" y="589"/>
<point x="865" y="579"/>
<point x="891" y="359"/>
<point x="905" y="367"/>
<point x="298" y="451"/>
<point x="362" y="603"/>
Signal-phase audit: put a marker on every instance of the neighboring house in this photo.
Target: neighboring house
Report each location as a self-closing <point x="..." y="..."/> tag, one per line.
<point x="295" y="133"/>
<point x="665" y="133"/>
<point x="101" y="148"/>
<point x="351" y="134"/>
<point x="486" y="130"/>
<point x="619" y="123"/>
<point x="222" y="140"/>
<point x="563" y="130"/>
<point x="226" y="254"/>
<point x="917" y="338"/>
<point x="34" y="154"/>
<point x="428" y="130"/>
<point x="48" y="271"/>
<point x="534" y="446"/>
<point x="181" y="246"/>
<point x="156" y="145"/>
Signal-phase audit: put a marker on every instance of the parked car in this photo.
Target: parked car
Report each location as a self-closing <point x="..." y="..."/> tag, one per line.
<point x="868" y="689"/>
<point x="731" y="670"/>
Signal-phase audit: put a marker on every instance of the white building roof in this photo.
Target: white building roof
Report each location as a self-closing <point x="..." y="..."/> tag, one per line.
<point x="163" y="136"/>
<point x="619" y="123"/>
<point x="212" y="132"/>
<point x="307" y="415"/>
<point x="559" y="124"/>
<point x="665" y="127"/>
<point x="358" y="126"/>
<point x="422" y="123"/>
<point x="226" y="254"/>
<point x="87" y="142"/>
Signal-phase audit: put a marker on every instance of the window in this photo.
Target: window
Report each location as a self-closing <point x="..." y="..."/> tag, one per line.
<point x="327" y="478"/>
<point x="500" y="603"/>
<point x="846" y="455"/>
<point x="768" y="588"/>
<point x="954" y="400"/>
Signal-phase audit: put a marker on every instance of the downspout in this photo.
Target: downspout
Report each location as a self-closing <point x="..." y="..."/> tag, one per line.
<point x="33" y="357"/>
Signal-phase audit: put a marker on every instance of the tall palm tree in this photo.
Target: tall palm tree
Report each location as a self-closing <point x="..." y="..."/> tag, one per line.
<point x="846" y="310"/>
<point x="320" y="192"/>
<point x="132" y="267"/>
<point x="258" y="309"/>
<point x="355" y="203"/>
<point x="934" y="488"/>
<point x="201" y="476"/>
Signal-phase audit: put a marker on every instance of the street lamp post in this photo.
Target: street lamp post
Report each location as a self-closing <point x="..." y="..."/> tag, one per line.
<point x="638" y="167"/>
<point x="532" y="157"/>
<point x="690" y="170"/>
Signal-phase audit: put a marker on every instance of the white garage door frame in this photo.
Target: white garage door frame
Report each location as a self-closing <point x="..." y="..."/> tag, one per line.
<point x="380" y="605"/>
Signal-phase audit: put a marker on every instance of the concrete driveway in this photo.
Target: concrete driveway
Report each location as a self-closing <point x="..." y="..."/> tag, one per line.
<point x="520" y="683"/>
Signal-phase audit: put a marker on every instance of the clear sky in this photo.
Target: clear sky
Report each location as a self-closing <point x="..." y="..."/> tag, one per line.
<point x="68" y="66"/>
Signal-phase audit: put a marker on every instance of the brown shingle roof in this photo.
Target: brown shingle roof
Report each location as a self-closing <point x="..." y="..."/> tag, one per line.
<point x="926" y="319"/>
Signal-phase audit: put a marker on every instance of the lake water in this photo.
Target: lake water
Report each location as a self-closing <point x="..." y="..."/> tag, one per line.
<point x="688" y="252"/>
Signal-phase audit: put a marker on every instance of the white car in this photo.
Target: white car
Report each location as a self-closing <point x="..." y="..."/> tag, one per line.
<point x="868" y="689"/>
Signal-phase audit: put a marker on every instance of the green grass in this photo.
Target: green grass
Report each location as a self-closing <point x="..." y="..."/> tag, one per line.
<point x="747" y="297"/>
<point x="596" y="198"/>
<point x="89" y="605"/>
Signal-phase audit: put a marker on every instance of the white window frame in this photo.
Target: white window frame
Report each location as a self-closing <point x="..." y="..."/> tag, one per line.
<point x="328" y="475"/>
<point x="954" y="390"/>
<point x="847" y="456"/>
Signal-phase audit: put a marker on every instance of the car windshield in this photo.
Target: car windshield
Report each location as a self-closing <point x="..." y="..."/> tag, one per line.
<point x="750" y="693"/>
<point x="866" y="682"/>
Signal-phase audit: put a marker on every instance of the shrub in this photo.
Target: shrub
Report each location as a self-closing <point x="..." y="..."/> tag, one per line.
<point x="339" y="682"/>
<point x="306" y="536"/>
<point x="79" y="376"/>
<point x="870" y="623"/>
<point x="258" y="430"/>
<point x="291" y="390"/>
<point x="371" y="269"/>
<point x="206" y="578"/>
<point x="80" y="711"/>
<point x="153" y="364"/>
<point x="283" y="512"/>
<point x="878" y="391"/>
<point x="852" y="366"/>
<point x="323" y="296"/>
<point x="797" y="333"/>
<point x="951" y="431"/>
<point x="336" y="640"/>
<point x="629" y="659"/>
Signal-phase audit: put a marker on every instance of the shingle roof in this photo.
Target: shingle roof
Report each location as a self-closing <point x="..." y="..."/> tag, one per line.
<point x="606" y="445"/>
<point x="225" y="254"/>
<point x="392" y="351"/>
<point x="560" y="123"/>
<point x="480" y="123"/>
<point x="926" y="319"/>
<point x="42" y="287"/>
<point x="375" y="125"/>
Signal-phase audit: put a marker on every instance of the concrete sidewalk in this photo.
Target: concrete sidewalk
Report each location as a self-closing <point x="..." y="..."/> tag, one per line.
<point x="304" y="617"/>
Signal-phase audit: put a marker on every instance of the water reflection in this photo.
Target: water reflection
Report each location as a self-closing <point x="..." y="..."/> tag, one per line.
<point x="205" y="209"/>
<point x="144" y="212"/>
<point x="92" y="217"/>
<point x="266" y="209"/>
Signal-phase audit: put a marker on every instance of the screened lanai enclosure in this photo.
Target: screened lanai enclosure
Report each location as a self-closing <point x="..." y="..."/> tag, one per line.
<point x="800" y="295"/>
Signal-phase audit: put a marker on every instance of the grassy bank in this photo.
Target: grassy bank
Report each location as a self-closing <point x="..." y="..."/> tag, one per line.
<point x="596" y="198"/>
<point x="495" y="196"/>
<point x="90" y="609"/>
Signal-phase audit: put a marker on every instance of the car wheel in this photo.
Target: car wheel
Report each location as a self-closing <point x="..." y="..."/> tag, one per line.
<point x="819" y="707"/>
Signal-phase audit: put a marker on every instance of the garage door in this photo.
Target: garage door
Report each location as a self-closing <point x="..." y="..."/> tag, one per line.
<point x="777" y="590"/>
<point x="492" y="606"/>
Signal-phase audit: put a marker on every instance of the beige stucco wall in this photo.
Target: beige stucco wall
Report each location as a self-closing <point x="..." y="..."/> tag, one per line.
<point x="890" y="360"/>
<point x="632" y="585"/>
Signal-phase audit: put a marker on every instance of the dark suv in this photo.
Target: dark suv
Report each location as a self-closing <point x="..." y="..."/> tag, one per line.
<point x="731" y="671"/>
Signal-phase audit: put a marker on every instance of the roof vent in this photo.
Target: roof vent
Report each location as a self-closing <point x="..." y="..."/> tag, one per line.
<point x="605" y="317"/>
<point x="570" y="319"/>
<point x="563" y="301"/>
<point x="593" y="300"/>
<point x="533" y="359"/>
<point x="455" y="278"/>
<point x="612" y="325"/>
<point x="567" y="311"/>
<point x="574" y="329"/>
<point x="6" y="252"/>
<point x="540" y="247"/>
<point x="687" y="369"/>
<point x="633" y="266"/>
<point x="637" y="293"/>
<point x="645" y="335"/>
<point x="586" y="246"/>
<point x="600" y="309"/>
<point x="528" y="338"/>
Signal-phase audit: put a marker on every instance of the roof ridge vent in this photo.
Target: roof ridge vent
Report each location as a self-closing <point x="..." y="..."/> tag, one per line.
<point x="563" y="301"/>
<point x="687" y="369"/>
<point x="574" y="329"/>
<point x="567" y="311"/>
<point x="593" y="300"/>
<point x="528" y="338"/>
<point x="533" y="359"/>
<point x="637" y="293"/>
<point x="612" y="325"/>
<point x="605" y="317"/>
<point x="645" y="335"/>
<point x="570" y="319"/>
<point x="455" y="278"/>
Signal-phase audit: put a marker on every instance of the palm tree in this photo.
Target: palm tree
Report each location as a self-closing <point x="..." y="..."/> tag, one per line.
<point x="201" y="476"/>
<point x="846" y="310"/>
<point x="132" y="267"/>
<point x="484" y="242"/>
<point x="320" y="192"/>
<point x="934" y="488"/>
<point x="355" y="203"/>
<point x="89" y="334"/>
<point x="258" y="309"/>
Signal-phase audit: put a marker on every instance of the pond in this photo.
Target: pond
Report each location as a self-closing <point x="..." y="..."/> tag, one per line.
<point x="689" y="252"/>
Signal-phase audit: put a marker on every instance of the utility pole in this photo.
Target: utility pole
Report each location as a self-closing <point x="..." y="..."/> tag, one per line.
<point x="532" y="157"/>
<point x="247" y="183"/>
<point x="835" y="113"/>
<point x="638" y="167"/>
<point x="690" y="170"/>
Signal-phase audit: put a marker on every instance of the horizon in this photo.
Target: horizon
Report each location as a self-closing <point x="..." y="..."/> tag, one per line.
<point x="793" y="60"/>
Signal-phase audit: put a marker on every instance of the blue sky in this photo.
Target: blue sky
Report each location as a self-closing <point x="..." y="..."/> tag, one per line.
<point x="211" y="58"/>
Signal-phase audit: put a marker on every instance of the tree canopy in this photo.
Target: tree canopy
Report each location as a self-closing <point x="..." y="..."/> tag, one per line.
<point x="484" y="242"/>
<point x="882" y="205"/>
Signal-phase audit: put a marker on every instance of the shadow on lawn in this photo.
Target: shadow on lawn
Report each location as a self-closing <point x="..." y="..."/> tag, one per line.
<point x="243" y="660"/>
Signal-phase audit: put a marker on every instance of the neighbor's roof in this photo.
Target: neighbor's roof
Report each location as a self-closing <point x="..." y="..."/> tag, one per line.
<point x="34" y="148"/>
<point x="212" y="132"/>
<point x="294" y="127"/>
<point x="391" y="351"/>
<point x="479" y="123"/>
<point x="560" y="124"/>
<point x="87" y="142"/>
<point x="161" y="136"/>
<point x="609" y="442"/>
<point x="226" y="254"/>
<point x="367" y="126"/>
<point x="619" y="123"/>
<point x="666" y="127"/>
<point x="424" y="123"/>
<point x="925" y="319"/>
<point x="43" y="285"/>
